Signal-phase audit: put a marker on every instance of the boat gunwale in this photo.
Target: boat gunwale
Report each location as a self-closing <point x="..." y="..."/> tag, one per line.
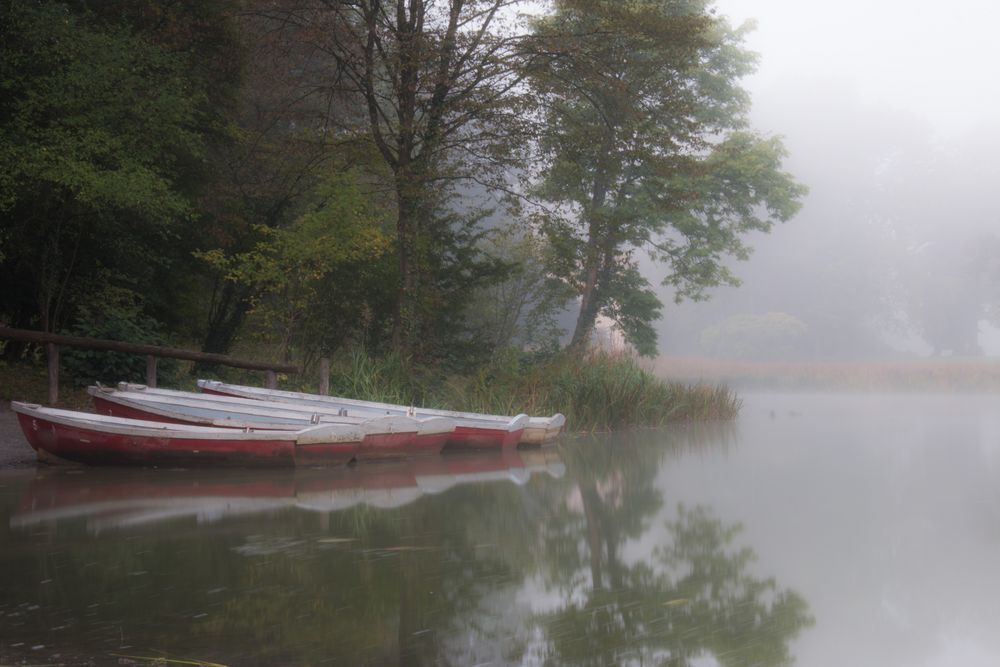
<point x="151" y="429"/>
<point x="159" y="404"/>
<point x="255" y="393"/>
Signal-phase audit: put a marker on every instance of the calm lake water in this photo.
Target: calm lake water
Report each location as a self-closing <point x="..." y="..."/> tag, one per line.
<point x="816" y="530"/>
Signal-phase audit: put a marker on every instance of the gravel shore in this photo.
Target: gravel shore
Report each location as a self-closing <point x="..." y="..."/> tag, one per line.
<point x="14" y="449"/>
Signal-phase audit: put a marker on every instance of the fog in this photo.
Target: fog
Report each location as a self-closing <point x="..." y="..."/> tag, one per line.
<point x="888" y="111"/>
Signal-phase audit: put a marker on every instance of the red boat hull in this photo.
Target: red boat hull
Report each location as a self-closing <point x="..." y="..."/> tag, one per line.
<point x="377" y="446"/>
<point x="469" y="437"/>
<point x="326" y="453"/>
<point x="90" y="446"/>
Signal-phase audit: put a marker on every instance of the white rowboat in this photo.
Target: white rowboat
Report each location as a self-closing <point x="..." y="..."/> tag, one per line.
<point x="537" y="431"/>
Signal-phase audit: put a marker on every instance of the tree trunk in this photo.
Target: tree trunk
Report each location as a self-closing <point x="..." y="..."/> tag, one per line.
<point x="590" y="301"/>
<point x="226" y="318"/>
<point x="407" y="322"/>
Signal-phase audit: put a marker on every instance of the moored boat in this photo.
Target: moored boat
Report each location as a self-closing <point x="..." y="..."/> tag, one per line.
<point x="473" y="429"/>
<point x="80" y="437"/>
<point x="387" y="436"/>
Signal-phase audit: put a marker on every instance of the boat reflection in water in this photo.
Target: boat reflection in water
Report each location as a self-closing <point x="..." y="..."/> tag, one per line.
<point x="121" y="498"/>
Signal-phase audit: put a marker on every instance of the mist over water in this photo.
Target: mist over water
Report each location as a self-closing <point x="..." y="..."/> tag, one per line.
<point x="886" y="111"/>
<point x="816" y="530"/>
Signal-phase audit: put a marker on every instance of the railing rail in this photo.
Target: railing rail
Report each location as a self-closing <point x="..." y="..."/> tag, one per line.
<point x="152" y="352"/>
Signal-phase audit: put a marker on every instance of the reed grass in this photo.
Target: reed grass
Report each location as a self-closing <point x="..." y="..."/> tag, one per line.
<point x="596" y="392"/>
<point x="607" y="392"/>
<point x="384" y="379"/>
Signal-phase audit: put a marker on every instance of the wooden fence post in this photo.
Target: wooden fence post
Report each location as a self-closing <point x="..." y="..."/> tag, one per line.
<point x="151" y="371"/>
<point x="52" y="351"/>
<point x="324" y="376"/>
<point x="272" y="380"/>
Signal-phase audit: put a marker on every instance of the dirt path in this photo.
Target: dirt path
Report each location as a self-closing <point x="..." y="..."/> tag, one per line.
<point x="14" y="449"/>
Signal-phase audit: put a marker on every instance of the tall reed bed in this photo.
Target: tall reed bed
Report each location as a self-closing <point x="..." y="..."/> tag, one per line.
<point x="596" y="392"/>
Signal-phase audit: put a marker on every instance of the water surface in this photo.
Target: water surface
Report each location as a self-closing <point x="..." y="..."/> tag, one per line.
<point x="816" y="530"/>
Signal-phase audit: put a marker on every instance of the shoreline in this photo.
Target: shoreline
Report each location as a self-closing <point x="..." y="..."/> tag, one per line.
<point x="15" y="452"/>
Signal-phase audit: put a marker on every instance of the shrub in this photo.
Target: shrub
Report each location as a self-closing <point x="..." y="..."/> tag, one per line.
<point x="121" y="322"/>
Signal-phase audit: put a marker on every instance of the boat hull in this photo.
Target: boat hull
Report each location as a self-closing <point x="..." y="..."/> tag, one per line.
<point x="481" y="437"/>
<point x="377" y="446"/>
<point x="385" y="437"/>
<point x="54" y="442"/>
<point x="60" y="436"/>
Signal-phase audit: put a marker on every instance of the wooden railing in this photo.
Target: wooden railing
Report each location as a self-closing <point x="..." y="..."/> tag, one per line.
<point x="152" y="352"/>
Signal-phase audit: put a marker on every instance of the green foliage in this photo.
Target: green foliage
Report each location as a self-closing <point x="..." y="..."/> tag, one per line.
<point x="101" y="132"/>
<point x="633" y="307"/>
<point x="116" y="315"/>
<point x="456" y="265"/>
<point x="386" y="379"/>
<point x="646" y="148"/>
<point x="442" y="105"/>
<point x="93" y="114"/>
<point x="521" y="310"/>
<point x="607" y="392"/>
<point x="320" y="281"/>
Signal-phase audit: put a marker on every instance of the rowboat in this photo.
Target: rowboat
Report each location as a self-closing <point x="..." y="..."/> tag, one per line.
<point x="80" y="437"/>
<point x="473" y="429"/>
<point x="386" y="436"/>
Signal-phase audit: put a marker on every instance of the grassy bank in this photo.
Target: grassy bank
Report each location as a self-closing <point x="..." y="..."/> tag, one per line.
<point x="599" y="392"/>
<point x="27" y="381"/>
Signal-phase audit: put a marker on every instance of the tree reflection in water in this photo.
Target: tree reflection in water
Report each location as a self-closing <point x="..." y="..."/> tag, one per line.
<point x="525" y="573"/>
<point x="692" y="598"/>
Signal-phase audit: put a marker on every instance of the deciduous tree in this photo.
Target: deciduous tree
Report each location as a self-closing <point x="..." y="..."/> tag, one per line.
<point x="648" y="148"/>
<point x="438" y="96"/>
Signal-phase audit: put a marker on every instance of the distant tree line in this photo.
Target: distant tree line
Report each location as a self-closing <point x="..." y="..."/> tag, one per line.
<point x="436" y="178"/>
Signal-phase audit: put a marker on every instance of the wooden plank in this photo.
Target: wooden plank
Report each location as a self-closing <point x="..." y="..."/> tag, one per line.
<point x="272" y="380"/>
<point x="143" y="349"/>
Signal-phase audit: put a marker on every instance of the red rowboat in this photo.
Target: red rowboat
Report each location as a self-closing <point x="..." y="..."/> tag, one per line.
<point x="65" y="435"/>
<point x="387" y="436"/>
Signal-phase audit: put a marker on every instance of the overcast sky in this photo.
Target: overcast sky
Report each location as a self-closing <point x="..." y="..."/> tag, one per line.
<point x="938" y="60"/>
<point x="888" y="109"/>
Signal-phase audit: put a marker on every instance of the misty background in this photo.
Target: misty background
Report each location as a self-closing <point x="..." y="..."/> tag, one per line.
<point x="887" y="110"/>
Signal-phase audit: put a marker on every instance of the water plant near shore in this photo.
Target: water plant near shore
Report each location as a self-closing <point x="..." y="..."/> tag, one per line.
<point x="596" y="392"/>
